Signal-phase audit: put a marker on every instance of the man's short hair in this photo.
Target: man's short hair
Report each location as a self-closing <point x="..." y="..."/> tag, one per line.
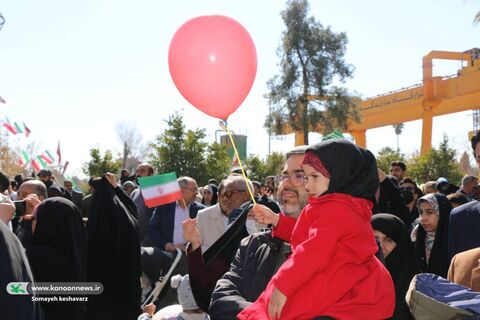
<point x="475" y="140"/>
<point x="150" y="169"/>
<point x="39" y="188"/>
<point x="469" y="179"/>
<point x="44" y="173"/>
<point x="297" y="150"/>
<point x="457" y="198"/>
<point x="398" y="163"/>
<point x="238" y="182"/>
<point x="184" y="181"/>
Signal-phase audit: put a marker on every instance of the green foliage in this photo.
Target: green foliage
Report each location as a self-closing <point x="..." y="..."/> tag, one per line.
<point x="386" y="156"/>
<point x="259" y="170"/>
<point x="218" y="162"/>
<point x="187" y="154"/>
<point x="9" y="164"/>
<point x="99" y="165"/>
<point x="312" y="61"/>
<point x="436" y="163"/>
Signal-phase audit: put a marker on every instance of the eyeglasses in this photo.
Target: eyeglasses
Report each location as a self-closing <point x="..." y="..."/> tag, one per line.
<point x="191" y="189"/>
<point x="411" y="189"/>
<point x="230" y="193"/>
<point x="297" y="179"/>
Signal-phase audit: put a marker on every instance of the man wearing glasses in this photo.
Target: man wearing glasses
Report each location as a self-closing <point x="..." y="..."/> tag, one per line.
<point x="410" y="193"/>
<point x="33" y="192"/>
<point x="260" y="255"/>
<point x="212" y="222"/>
<point x="165" y="235"/>
<point x="165" y="227"/>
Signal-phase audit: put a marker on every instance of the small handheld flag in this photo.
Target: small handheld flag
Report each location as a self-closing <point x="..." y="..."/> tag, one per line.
<point x="161" y="189"/>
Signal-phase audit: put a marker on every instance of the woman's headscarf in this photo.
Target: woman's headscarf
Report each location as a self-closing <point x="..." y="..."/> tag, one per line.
<point x="401" y="262"/>
<point x="58" y="252"/>
<point x="214" y="191"/>
<point x="113" y="254"/>
<point x="438" y="262"/>
<point x="352" y="170"/>
<point x="14" y="267"/>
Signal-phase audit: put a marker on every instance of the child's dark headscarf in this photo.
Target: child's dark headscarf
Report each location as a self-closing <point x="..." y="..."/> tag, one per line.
<point x="352" y="170"/>
<point x="438" y="262"/>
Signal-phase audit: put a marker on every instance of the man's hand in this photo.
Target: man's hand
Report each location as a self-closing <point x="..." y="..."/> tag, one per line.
<point x="169" y="247"/>
<point x="276" y="304"/>
<point x="190" y="233"/>
<point x="32" y="203"/>
<point x="264" y="215"/>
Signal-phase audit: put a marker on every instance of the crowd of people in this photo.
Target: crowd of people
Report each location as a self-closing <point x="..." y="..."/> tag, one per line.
<point x="329" y="237"/>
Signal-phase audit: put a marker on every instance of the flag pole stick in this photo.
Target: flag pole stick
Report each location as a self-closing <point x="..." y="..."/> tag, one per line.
<point x="184" y="204"/>
<point x="229" y="133"/>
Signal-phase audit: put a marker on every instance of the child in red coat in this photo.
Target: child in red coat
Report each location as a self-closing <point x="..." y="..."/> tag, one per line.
<point x="333" y="270"/>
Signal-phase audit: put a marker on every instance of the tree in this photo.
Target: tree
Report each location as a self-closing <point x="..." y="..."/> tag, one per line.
<point x="99" y="165"/>
<point x="187" y="154"/>
<point x="217" y="161"/>
<point x="465" y="165"/>
<point x="303" y="95"/>
<point x="436" y="163"/>
<point x="255" y="168"/>
<point x="259" y="170"/>
<point x="385" y="156"/>
<point x="9" y="163"/>
<point x="134" y="149"/>
<point x="398" y="131"/>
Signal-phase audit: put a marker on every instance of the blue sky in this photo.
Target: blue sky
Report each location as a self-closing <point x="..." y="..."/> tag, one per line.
<point x="71" y="70"/>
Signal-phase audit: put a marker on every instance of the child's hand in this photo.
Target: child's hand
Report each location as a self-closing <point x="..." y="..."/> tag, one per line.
<point x="150" y="309"/>
<point x="264" y="215"/>
<point x="276" y="304"/>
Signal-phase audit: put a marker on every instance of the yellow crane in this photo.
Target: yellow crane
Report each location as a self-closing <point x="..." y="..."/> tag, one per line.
<point x="436" y="96"/>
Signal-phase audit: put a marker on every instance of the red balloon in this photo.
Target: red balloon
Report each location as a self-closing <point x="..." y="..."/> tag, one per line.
<point x="213" y="62"/>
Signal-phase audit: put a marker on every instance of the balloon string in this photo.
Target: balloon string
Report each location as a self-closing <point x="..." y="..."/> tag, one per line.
<point x="240" y="164"/>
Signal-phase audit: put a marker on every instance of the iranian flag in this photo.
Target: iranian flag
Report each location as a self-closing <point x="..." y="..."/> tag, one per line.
<point x="17" y="127"/>
<point x="158" y="190"/>
<point x="41" y="162"/>
<point x="24" y="158"/>
<point x="36" y="165"/>
<point x="9" y="127"/>
<point x="27" y="130"/>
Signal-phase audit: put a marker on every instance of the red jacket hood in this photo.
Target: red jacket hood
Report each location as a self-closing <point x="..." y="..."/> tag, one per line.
<point x="361" y="206"/>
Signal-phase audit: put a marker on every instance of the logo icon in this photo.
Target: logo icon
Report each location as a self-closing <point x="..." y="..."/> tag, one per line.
<point x="18" y="288"/>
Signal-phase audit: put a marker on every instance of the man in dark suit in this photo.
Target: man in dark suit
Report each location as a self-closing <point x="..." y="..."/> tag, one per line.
<point x="464" y="220"/>
<point x="165" y="227"/>
<point x="164" y="232"/>
<point x="76" y="196"/>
